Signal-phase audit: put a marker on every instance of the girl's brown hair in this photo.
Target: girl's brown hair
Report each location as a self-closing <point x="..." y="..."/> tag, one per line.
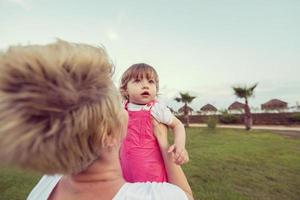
<point x="138" y="71"/>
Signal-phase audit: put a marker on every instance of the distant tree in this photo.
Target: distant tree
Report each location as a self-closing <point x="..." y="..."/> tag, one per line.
<point x="297" y="106"/>
<point x="186" y="99"/>
<point x="246" y="93"/>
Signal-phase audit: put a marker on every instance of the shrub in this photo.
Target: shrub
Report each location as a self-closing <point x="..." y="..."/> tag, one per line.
<point x="212" y="122"/>
<point x="295" y="117"/>
<point x="227" y="118"/>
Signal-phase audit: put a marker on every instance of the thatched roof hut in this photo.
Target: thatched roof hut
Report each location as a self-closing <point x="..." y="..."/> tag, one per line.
<point x="236" y="106"/>
<point x="274" y="104"/>
<point x="209" y="108"/>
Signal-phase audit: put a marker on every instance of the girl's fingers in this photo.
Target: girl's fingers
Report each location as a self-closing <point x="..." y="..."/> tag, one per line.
<point x="179" y="161"/>
<point x="182" y="158"/>
<point x="172" y="149"/>
<point x="179" y="155"/>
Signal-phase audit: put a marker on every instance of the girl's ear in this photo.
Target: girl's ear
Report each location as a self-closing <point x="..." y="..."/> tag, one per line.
<point x="124" y="93"/>
<point x="127" y="95"/>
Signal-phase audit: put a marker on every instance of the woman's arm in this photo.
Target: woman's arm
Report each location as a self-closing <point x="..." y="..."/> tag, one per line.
<point x="175" y="174"/>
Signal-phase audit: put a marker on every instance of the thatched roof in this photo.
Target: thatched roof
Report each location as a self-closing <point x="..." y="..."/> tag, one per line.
<point x="274" y="104"/>
<point x="236" y="106"/>
<point x="181" y="110"/>
<point x="209" y="108"/>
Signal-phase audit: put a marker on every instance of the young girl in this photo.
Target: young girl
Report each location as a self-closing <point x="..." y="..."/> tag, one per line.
<point x="140" y="155"/>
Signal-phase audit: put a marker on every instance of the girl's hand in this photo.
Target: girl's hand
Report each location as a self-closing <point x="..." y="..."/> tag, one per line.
<point x="180" y="155"/>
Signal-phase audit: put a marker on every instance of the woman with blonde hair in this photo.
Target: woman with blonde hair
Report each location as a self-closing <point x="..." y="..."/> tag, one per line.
<point x="60" y="113"/>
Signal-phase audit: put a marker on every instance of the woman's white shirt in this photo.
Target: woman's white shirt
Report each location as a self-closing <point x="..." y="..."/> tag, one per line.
<point x="129" y="191"/>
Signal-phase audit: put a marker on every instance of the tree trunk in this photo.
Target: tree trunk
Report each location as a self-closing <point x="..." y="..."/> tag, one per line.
<point x="187" y="119"/>
<point x="248" y="122"/>
<point x="247" y="118"/>
<point x="186" y="115"/>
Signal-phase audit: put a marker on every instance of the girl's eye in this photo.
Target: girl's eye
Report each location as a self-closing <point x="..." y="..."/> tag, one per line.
<point x="151" y="81"/>
<point x="136" y="80"/>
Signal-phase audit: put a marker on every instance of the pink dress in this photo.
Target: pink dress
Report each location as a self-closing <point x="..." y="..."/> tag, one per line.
<point x="140" y="155"/>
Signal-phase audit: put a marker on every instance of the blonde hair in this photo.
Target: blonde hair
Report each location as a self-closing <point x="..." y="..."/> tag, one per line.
<point x="137" y="71"/>
<point x="58" y="106"/>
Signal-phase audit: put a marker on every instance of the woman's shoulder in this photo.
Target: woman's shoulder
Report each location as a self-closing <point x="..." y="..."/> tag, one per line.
<point x="153" y="191"/>
<point x="44" y="187"/>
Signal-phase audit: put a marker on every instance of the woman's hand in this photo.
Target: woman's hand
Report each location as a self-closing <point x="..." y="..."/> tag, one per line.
<point x="175" y="174"/>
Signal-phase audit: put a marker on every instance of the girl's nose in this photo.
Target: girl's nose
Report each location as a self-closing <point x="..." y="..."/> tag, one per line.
<point x="145" y="84"/>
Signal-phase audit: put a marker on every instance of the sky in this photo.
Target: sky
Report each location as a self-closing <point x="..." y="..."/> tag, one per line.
<point x="204" y="47"/>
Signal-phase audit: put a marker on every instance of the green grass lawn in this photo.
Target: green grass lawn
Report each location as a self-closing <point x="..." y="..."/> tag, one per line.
<point x="224" y="164"/>
<point x="235" y="164"/>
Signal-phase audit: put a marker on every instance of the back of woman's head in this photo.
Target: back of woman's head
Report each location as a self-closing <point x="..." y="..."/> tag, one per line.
<point x="58" y="105"/>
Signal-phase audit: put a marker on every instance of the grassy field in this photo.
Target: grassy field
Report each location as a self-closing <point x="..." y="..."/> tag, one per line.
<point x="225" y="164"/>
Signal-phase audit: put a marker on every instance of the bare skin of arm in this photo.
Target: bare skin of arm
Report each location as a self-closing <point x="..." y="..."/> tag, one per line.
<point x="175" y="174"/>
<point x="178" y="148"/>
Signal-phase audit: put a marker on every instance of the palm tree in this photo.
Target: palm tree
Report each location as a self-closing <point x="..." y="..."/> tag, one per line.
<point x="185" y="98"/>
<point x="245" y="93"/>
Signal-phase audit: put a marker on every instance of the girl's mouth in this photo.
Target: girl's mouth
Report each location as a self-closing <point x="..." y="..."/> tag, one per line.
<point x="145" y="94"/>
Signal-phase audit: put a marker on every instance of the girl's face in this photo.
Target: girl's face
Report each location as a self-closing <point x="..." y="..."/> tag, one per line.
<point x="141" y="91"/>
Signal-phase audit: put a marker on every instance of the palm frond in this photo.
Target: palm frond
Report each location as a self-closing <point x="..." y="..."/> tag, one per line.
<point x="185" y="97"/>
<point x="244" y="91"/>
<point x="178" y="99"/>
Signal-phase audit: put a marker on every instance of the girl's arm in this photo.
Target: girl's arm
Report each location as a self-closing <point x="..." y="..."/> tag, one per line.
<point x="181" y="155"/>
<point x="179" y="132"/>
<point x="175" y="174"/>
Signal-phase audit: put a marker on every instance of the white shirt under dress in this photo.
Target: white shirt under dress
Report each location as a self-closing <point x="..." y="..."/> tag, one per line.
<point x="129" y="191"/>
<point x="159" y="111"/>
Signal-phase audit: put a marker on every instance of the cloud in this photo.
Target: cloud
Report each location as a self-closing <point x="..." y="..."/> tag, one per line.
<point x="116" y="26"/>
<point x="21" y="3"/>
<point x="112" y="35"/>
